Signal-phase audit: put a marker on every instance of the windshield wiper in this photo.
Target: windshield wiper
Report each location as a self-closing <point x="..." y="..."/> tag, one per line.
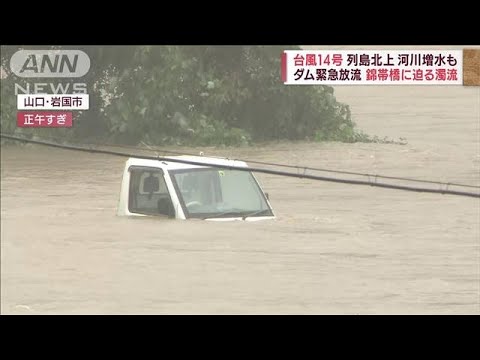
<point x="235" y="213"/>
<point x="254" y="213"/>
<point x="230" y="212"/>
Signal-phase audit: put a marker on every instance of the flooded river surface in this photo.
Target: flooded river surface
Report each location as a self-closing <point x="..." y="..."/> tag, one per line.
<point x="334" y="248"/>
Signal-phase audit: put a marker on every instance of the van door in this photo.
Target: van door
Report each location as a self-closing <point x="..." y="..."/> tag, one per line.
<point x="148" y="192"/>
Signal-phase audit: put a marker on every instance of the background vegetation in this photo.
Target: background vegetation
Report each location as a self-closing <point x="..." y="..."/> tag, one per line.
<point x="191" y="95"/>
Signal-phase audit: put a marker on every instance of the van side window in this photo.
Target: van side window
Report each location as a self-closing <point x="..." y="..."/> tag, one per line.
<point x="148" y="192"/>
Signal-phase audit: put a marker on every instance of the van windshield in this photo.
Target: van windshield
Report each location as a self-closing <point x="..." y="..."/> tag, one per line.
<point x="215" y="193"/>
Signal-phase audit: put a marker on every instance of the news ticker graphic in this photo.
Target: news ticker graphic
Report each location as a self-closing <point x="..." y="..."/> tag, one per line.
<point x="54" y="119"/>
<point x="54" y="109"/>
<point x="52" y="101"/>
<point x="381" y="67"/>
<point x="48" y="110"/>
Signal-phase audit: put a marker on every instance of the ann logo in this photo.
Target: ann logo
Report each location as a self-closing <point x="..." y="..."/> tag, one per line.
<point x="59" y="63"/>
<point x="49" y="63"/>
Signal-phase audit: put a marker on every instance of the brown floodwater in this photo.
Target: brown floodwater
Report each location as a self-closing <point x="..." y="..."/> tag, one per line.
<point x="334" y="248"/>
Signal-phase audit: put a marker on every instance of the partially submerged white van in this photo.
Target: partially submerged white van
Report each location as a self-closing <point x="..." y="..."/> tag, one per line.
<point x="185" y="191"/>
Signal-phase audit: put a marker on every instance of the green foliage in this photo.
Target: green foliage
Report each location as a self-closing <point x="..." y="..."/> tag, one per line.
<point x="197" y="95"/>
<point x="210" y="95"/>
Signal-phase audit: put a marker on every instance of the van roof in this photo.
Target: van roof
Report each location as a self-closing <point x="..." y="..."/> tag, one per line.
<point x="172" y="165"/>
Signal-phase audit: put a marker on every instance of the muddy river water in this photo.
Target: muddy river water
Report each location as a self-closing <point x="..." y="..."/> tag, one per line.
<point x="334" y="248"/>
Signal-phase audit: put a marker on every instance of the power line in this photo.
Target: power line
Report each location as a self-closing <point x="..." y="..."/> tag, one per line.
<point x="298" y="168"/>
<point x="259" y="170"/>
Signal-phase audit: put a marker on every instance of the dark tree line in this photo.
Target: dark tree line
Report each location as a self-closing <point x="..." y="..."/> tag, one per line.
<point x="191" y="95"/>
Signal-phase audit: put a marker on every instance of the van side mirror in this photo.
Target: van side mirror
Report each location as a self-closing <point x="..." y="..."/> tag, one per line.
<point x="267" y="196"/>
